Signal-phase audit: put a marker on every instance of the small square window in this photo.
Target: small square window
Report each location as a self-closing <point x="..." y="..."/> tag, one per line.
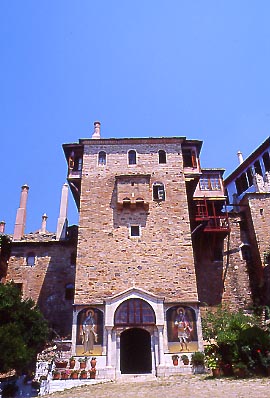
<point x="135" y="230"/>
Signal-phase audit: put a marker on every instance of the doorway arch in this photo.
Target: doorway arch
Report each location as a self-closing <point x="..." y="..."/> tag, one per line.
<point x="135" y="351"/>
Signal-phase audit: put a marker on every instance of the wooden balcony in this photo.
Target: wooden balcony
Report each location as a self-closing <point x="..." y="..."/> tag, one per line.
<point x="208" y="213"/>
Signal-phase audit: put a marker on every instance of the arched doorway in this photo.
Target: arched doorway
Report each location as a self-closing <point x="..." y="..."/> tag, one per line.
<point x="135" y="351"/>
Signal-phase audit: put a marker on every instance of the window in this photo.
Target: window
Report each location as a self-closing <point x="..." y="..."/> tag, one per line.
<point x="132" y="157"/>
<point x="246" y="253"/>
<point x="257" y="167"/>
<point x="102" y="158"/>
<point x="210" y="183"/>
<point x="215" y="183"/>
<point x="135" y="231"/>
<point x="69" y="291"/>
<point x="249" y="177"/>
<point x="158" y="191"/>
<point x="244" y="181"/>
<point x="162" y="157"/>
<point x="266" y="161"/>
<point x="189" y="158"/>
<point x="204" y="184"/>
<point x="30" y="259"/>
<point x="134" y="312"/>
<point x="77" y="164"/>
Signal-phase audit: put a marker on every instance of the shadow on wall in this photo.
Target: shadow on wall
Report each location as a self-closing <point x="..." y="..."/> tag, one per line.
<point x="57" y="290"/>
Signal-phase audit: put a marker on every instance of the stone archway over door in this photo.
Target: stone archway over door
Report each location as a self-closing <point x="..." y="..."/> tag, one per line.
<point x="135" y="351"/>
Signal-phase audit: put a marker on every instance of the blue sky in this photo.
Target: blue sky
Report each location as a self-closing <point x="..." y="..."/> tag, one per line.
<point x="191" y="68"/>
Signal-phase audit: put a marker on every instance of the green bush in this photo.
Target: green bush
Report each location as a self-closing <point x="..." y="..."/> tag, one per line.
<point x="238" y="339"/>
<point x="197" y="358"/>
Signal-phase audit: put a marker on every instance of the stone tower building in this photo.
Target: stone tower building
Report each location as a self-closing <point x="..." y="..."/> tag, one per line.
<point x="135" y="267"/>
<point x="154" y="248"/>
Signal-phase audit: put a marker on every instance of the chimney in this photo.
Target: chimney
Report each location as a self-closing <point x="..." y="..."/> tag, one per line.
<point x="21" y="214"/>
<point x="62" y="219"/>
<point x="2" y="227"/>
<point x="96" y="133"/>
<point x="44" y="224"/>
<point x="240" y="157"/>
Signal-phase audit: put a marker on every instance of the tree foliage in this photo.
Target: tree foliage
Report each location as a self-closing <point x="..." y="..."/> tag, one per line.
<point x="23" y="330"/>
<point x="225" y="326"/>
<point x="236" y="338"/>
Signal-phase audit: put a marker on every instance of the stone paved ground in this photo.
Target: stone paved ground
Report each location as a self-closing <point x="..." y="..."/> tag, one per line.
<point x="191" y="386"/>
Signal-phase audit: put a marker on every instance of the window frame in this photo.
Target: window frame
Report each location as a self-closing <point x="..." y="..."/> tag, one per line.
<point x="102" y="160"/>
<point x="189" y="156"/>
<point x="132" y="152"/>
<point x="210" y="182"/>
<point x="30" y="255"/>
<point x="157" y="187"/>
<point x="132" y="227"/>
<point x="134" y="311"/>
<point x="162" y="156"/>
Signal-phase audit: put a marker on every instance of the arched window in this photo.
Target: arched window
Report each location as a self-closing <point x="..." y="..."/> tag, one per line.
<point x="158" y="191"/>
<point x="102" y="158"/>
<point x="162" y="157"/>
<point x="31" y="259"/>
<point x="69" y="292"/>
<point x="134" y="312"/>
<point x="132" y="157"/>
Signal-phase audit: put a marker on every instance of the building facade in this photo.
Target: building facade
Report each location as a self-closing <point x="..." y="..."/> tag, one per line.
<point x="248" y="190"/>
<point x="155" y="247"/>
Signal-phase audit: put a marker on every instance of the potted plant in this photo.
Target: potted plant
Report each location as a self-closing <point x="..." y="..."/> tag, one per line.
<point x="64" y="375"/>
<point x="93" y="372"/>
<point x="74" y="374"/>
<point x="83" y="374"/>
<point x="213" y="363"/>
<point x="93" y="362"/>
<point x="56" y="374"/>
<point x="240" y="369"/>
<point x="185" y="359"/>
<point x="71" y="362"/>
<point x="83" y="362"/>
<point x="59" y="363"/>
<point x="266" y="363"/>
<point x="175" y="359"/>
<point x="197" y="362"/>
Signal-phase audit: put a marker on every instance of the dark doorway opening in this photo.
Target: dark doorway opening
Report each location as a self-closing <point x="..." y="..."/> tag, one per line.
<point x="135" y="351"/>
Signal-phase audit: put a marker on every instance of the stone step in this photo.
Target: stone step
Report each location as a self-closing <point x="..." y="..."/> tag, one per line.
<point x="136" y="377"/>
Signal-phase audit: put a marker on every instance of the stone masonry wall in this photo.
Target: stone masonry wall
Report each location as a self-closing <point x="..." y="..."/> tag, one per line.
<point x="225" y="281"/>
<point x="237" y="291"/>
<point x="258" y="216"/>
<point x="45" y="281"/>
<point x="259" y="212"/>
<point x="109" y="260"/>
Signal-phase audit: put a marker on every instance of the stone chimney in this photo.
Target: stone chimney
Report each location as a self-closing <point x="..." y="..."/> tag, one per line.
<point x="62" y="219"/>
<point x="2" y="227"/>
<point x="44" y="224"/>
<point x="21" y="214"/>
<point x="240" y="157"/>
<point x="96" y="133"/>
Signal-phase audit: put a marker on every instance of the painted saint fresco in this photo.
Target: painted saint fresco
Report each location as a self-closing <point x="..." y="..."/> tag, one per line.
<point x="89" y="332"/>
<point x="181" y="329"/>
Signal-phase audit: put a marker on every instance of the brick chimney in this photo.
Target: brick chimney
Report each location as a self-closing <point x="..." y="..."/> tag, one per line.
<point x="96" y="133"/>
<point x="44" y="224"/>
<point x="2" y="227"/>
<point x="62" y="219"/>
<point x="21" y="214"/>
